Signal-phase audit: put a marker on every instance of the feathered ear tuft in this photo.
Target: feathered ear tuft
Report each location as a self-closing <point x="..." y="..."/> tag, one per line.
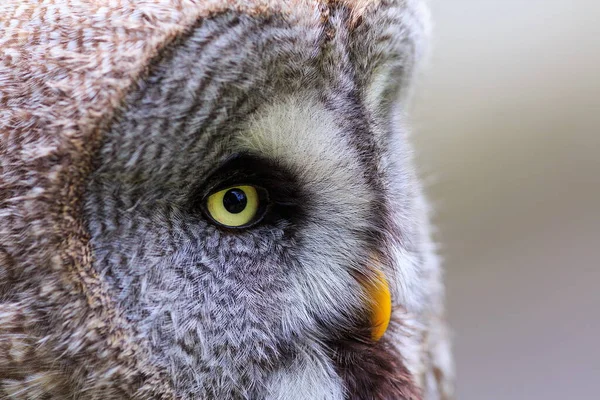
<point x="387" y="41"/>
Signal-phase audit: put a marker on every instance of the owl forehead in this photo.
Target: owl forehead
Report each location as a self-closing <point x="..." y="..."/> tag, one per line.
<point x="232" y="85"/>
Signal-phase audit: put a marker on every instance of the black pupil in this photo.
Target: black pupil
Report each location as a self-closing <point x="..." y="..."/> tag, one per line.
<point x="235" y="201"/>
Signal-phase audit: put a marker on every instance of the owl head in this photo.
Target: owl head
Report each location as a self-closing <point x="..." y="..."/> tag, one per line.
<point x="215" y="200"/>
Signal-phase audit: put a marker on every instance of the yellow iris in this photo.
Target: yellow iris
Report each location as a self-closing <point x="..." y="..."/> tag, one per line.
<point x="235" y="206"/>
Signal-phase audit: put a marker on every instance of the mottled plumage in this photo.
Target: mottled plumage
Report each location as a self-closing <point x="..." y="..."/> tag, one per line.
<point x="116" y="119"/>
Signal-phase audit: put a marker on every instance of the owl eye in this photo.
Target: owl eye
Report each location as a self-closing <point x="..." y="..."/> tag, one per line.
<point x="236" y="206"/>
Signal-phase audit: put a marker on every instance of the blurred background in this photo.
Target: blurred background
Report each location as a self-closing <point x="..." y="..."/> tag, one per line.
<point x="507" y="122"/>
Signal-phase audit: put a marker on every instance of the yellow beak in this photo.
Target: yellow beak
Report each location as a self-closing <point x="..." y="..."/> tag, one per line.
<point x="381" y="304"/>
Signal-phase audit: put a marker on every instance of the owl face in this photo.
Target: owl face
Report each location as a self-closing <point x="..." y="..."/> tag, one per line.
<point x="252" y="183"/>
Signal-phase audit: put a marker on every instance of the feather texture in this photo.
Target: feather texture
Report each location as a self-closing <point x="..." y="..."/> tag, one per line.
<point x="112" y="286"/>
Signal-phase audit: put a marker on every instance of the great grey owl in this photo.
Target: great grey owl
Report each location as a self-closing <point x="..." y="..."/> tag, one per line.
<point x="205" y="199"/>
